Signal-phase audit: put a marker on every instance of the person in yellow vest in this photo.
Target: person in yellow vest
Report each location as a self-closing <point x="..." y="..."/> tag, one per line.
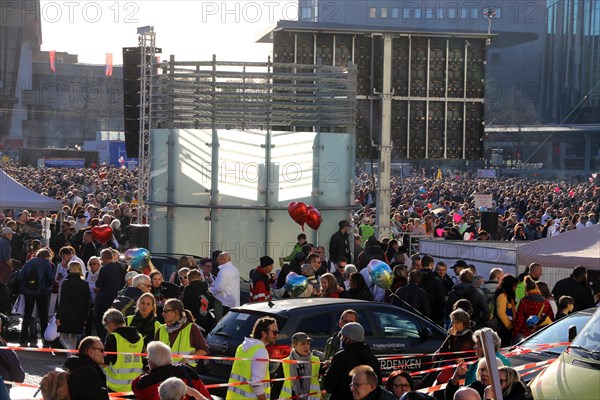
<point x="251" y="366"/>
<point x="122" y="368"/>
<point x="306" y="387"/>
<point x="181" y="333"/>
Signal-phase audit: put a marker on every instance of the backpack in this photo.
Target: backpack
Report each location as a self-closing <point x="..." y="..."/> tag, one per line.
<point x="33" y="280"/>
<point x="125" y="304"/>
<point x="55" y="386"/>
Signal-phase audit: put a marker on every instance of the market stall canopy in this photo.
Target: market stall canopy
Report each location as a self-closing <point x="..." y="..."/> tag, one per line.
<point x="15" y="195"/>
<point x="566" y="250"/>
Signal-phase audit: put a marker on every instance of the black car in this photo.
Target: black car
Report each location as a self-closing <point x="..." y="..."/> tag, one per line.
<point x="557" y="332"/>
<point x="389" y="331"/>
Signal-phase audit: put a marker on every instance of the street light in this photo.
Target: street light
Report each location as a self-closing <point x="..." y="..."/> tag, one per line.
<point x="490" y="13"/>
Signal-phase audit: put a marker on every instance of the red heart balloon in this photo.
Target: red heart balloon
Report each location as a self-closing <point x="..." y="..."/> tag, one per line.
<point x="102" y="233"/>
<point x="313" y="219"/>
<point x="298" y="211"/>
<point x="102" y="175"/>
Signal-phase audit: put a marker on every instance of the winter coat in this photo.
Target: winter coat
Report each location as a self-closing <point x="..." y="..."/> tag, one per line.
<point x="414" y="296"/>
<point x="463" y="290"/>
<point x="199" y="301"/>
<point x="74" y="305"/>
<point x="110" y="281"/>
<point x="339" y="246"/>
<point x="432" y="285"/>
<point x="580" y="292"/>
<point x="336" y="380"/>
<point x="45" y="276"/>
<point x="87" y="380"/>
<point x="532" y="304"/>
<point x="10" y="365"/>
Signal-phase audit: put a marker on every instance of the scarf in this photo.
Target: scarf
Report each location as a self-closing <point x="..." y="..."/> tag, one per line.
<point x="300" y="386"/>
<point x="176" y="325"/>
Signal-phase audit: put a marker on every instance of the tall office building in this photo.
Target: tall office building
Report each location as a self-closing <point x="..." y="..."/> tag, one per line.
<point x="545" y="51"/>
<point x="571" y="70"/>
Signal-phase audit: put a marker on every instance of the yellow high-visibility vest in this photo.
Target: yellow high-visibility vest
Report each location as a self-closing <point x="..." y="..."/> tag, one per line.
<point x="127" y="367"/>
<point x="181" y="345"/>
<point x="242" y="372"/>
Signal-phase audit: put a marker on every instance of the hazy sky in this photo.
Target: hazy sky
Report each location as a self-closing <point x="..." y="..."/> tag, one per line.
<point x="191" y="30"/>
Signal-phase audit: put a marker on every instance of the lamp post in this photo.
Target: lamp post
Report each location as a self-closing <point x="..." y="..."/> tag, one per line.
<point x="490" y="13"/>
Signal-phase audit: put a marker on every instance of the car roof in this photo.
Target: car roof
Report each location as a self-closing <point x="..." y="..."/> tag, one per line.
<point x="282" y="306"/>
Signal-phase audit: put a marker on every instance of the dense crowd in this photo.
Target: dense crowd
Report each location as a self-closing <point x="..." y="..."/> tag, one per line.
<point x="53" y="262"/>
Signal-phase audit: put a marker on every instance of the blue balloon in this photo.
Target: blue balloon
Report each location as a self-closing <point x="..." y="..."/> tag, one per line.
<point x="296" y="284"/>
<point x="422" y="190"/>
<point x="136" y="257"/>
<point x="380" y="273"/>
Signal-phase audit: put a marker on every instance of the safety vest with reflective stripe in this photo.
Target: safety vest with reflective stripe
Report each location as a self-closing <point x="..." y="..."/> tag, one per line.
<point x="315" y="388"/>
<point x="181" y="345"/>
<point x="156" y="325"/>
<point x="127" y="367"/>
<point x="242" y="372"/>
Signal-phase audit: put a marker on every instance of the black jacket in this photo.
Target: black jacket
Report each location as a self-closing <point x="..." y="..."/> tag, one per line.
<point x="74" y="305"/>
<point x="129" y="333"/>
<point x="110" y="281"/>
<point x="336" y="380"/>
<point x="462" y="290"/>
<point x="197" y="299"/>
<point x="379" y="394"/>
<point x="580" y="292"/>
<point x="87" y="380"/>
<point x="370" y="253"/>
<point x="517" y="392"/>
<point x="339" y="247"/>
<point x="415" y="296"/>
<point x="432" y="285"/>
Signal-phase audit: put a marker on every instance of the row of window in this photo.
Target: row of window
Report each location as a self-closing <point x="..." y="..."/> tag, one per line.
<point x="451" y="13"/>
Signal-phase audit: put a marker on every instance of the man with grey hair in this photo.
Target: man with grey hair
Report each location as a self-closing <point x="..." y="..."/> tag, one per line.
<point x="122" y="367"/>
<point x="127" y="299"/>
<point x="160" y="362"/>
<point x="176" y="389"/>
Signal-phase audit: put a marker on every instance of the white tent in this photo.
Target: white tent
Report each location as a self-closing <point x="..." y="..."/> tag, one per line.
<point x="566" y="250"/>
<point x="15" y="195"/>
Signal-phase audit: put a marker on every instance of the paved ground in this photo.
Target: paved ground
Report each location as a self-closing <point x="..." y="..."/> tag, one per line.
<point x="35" y="365"/>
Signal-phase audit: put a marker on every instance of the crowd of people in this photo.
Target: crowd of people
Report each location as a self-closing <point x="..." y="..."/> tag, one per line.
<point x="53" y="263"/>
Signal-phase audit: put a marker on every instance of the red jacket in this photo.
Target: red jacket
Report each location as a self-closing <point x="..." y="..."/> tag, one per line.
<point x="260" y="289"/>
<point x="145" y="386"/>
<point x="532" y="304"/>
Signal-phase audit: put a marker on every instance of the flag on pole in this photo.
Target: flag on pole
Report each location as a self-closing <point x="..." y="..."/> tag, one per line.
<point x="109" y="64"/>
<point x="52" y="55"/>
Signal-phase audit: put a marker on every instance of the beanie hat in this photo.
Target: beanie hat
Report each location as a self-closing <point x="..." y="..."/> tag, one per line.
<point x="266" y="261"/>
<point x="354" y="331"/>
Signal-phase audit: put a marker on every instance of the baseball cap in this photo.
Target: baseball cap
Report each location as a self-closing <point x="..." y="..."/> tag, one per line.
<point x="459" y="263"/>
<point x="343" y="223"/>
<point x="300" y="337"/>
<point x="354" y="331"/>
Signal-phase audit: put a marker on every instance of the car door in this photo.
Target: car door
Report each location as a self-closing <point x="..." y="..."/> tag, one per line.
<point x="401" y="333"/>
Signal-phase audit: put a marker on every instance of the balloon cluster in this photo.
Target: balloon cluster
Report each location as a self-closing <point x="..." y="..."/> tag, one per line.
<point x="303" y="214"/>
<point x="136" y="258"/>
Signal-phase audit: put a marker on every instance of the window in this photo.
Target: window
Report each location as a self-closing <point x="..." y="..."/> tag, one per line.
<point x="315" y="326"/>
<point x="384" y="12"/>
<point x="429" y="13"/>
<point x="395" y="13"/>
<point x="373" y="12"/>
<point x="397" y="325"/>
<point x="417" y="13"/>
<point x="474" y="13"/>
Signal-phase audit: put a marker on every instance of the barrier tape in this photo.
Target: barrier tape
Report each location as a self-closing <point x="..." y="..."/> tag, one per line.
<point x="471" y="361"/>
<point x="519" y="351"/>
<point x="435" y="388"/>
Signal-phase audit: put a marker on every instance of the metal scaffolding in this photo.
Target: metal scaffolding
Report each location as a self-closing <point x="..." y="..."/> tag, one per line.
<point x="147" y="43"/>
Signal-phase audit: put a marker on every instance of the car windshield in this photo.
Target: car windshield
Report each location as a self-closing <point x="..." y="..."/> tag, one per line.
<point x="558" y="332"/>
<point x="589" y="337"/>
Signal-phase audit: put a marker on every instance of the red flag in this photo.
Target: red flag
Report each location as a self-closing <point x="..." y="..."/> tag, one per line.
<point x="109" y="64"/>
<point x="52" y="55"/>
